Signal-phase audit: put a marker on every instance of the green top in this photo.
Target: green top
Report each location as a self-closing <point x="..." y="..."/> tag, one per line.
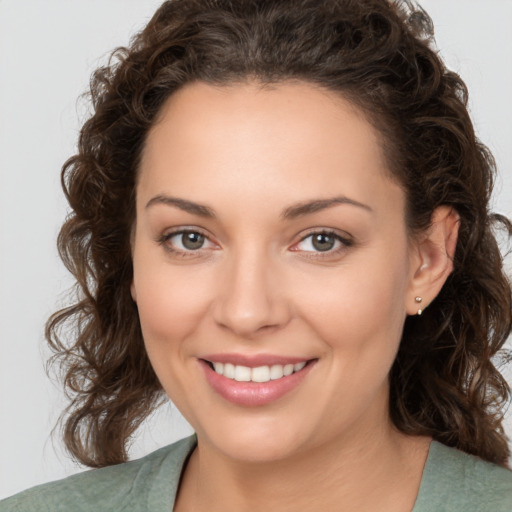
<point x="452" y="481"/>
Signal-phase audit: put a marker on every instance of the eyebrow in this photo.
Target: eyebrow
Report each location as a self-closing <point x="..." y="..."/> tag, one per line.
<point x="289" y="213"/>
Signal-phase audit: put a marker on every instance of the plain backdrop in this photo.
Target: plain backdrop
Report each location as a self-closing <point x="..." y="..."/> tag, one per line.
<point x="48" y="50"/>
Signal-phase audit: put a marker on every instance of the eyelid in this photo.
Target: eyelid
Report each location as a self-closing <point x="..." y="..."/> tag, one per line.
<point x="327" y="231"/>
<point x="167" y="235"/>
<point x="345" y="241"/>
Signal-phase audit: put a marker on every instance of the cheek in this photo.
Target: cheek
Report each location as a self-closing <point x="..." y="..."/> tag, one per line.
<point x="359" y="305"/>
<point x="170" y="303"/>
<point x="353" y="304"/>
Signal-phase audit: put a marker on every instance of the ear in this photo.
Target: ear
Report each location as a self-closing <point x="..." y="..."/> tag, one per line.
<point x="132" y="245"/>
<point x="432" y="259"/>
<point x="133" y="292"/>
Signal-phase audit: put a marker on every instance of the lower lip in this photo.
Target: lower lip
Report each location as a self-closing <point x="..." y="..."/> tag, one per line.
<point x="253" y="394"/>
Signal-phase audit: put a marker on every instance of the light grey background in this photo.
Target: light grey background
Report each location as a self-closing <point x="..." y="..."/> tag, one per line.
<point x="47" y="51"/>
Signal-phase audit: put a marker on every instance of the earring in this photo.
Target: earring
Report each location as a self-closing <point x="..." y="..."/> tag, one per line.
<point x="418" y="300"/>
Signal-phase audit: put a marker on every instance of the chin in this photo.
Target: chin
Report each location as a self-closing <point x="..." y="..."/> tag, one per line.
<point x="257" y="450"/>
<point x="257" y="439"/>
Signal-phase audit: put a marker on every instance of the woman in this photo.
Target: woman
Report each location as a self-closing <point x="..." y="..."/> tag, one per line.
<point x="280" y="220"/>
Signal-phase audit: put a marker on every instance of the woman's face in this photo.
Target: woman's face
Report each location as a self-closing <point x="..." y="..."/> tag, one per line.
<point x="269" y="235"/>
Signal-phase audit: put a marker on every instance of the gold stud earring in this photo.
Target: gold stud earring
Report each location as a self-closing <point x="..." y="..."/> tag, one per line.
<point x="418" y="300"/>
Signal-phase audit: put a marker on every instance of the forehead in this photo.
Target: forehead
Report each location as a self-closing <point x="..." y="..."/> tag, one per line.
<point x="286" y="109"/>
<point x="247" y="140"/>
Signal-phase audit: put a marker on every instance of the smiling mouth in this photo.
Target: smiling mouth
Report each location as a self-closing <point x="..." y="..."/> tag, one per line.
<point x="254" y="383"/>
<point x="259" y="374"/>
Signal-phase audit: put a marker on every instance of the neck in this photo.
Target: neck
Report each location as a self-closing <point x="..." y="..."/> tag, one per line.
<point x="364" y="470"/>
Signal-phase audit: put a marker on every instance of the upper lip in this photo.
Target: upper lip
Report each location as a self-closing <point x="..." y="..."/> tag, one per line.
<point x="254" y="360"/>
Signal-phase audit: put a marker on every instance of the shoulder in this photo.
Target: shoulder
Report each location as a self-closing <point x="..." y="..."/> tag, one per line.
<point x="454" y="480"/>
<point x="147" y="483"/>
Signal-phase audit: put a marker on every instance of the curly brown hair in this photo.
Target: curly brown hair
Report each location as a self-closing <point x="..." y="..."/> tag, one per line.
<point x="375" y="53"/>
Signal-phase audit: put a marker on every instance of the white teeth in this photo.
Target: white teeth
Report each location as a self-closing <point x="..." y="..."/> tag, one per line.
<point x="288" y="370"/>
<point x="242" y="373"/>
<point x="276" y="372"/>
<point x="298" y="366"/>
<point x="259" y="374"/>
<point x="219" y="368"/>
<point x="229" y="371"/>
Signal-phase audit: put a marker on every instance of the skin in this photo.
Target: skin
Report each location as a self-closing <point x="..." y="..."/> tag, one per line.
<point x="257" y="285"/>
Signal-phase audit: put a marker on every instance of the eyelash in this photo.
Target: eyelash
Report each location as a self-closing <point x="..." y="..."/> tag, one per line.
<point x="345" y="243"/>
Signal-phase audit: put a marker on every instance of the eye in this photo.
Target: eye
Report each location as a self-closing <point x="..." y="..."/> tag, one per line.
<point x="323" y="242"/>
<point x="184" y="241"/>
<point x="190" y="242"/>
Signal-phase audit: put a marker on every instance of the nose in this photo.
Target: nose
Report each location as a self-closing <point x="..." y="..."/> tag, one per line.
<point x="251" y="297"/>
